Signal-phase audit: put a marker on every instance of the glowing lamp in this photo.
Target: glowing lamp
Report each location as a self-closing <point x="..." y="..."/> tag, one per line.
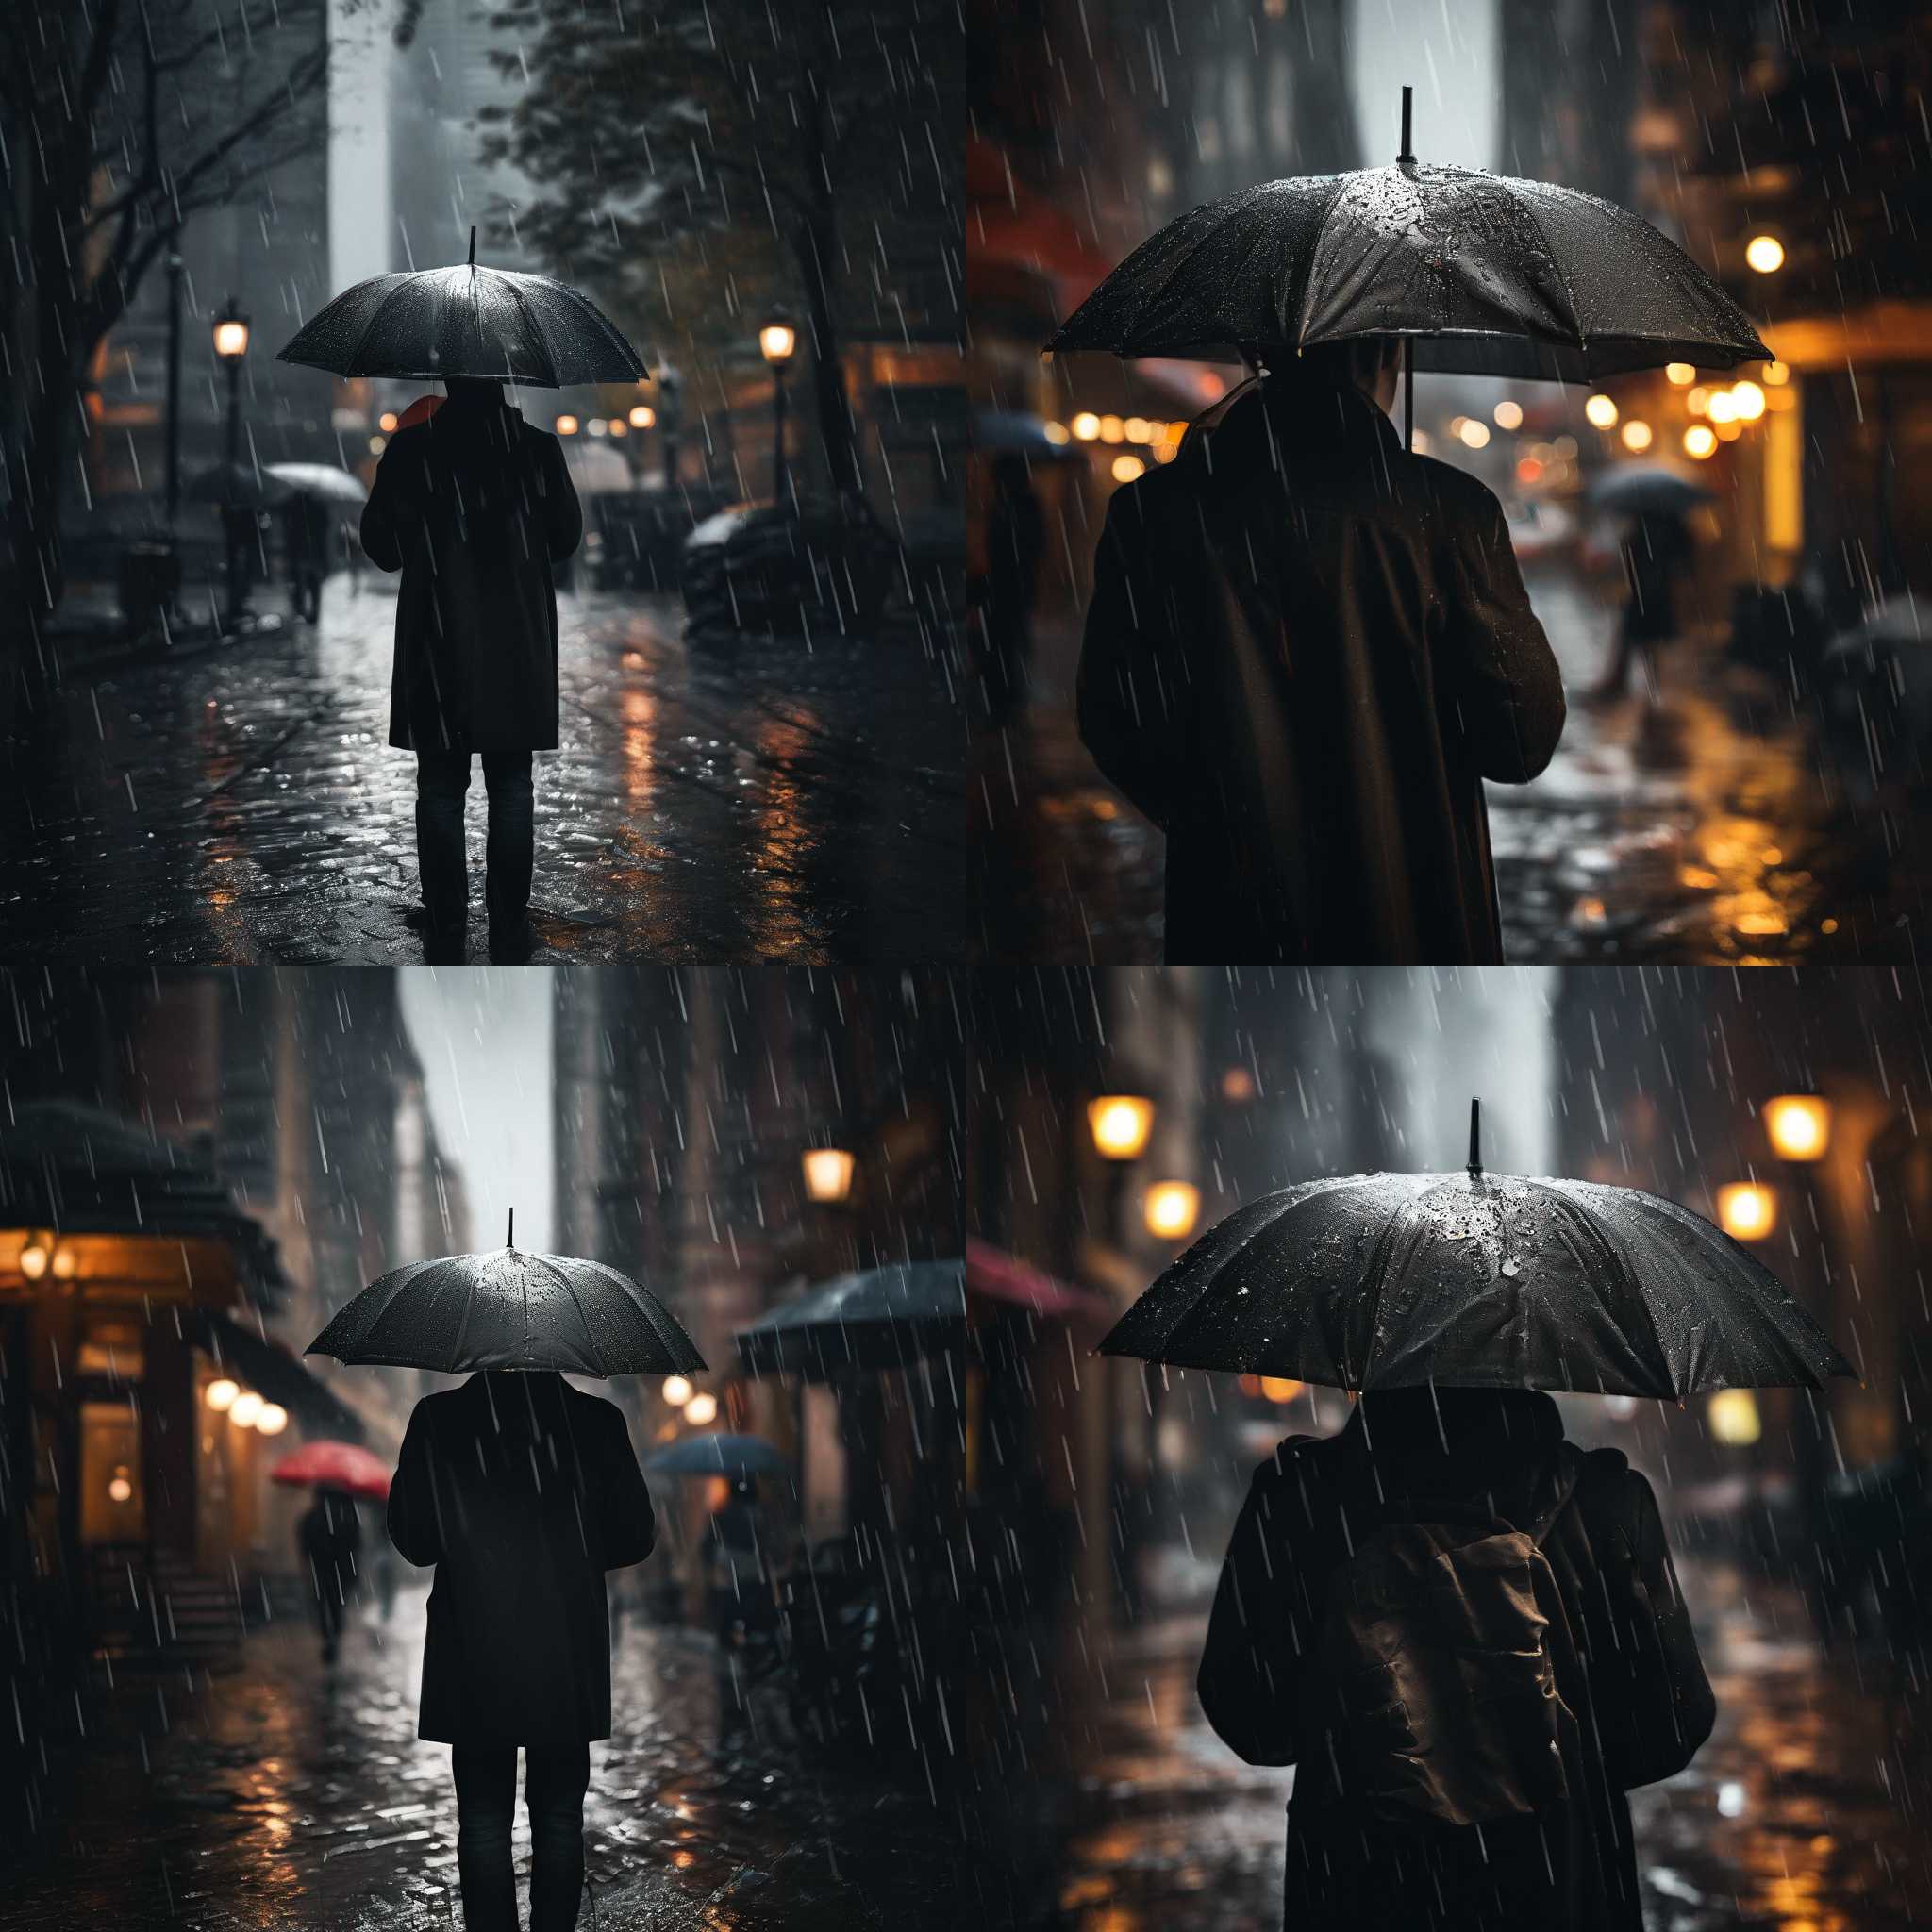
<point x="387" y="422"/>
<point x="1509" y="414"/>
<point x="1746" y="1211"/>
<point x="1700" y="440"/>
<point x="701" y="1409"/>
<point x="1172" y="1208"/>
<point x="1120" y="1124"/>
<point x="677" y="1390"/>
<point x="1680" y="374"/>
<point x="1126" y="467"/>
<point x="245" y="1408"/>
<point x="777" y="342"/>
<point x="566" y="425"/>
<point x="642" y="416"/>
<point x="1474" y="433"/>
<point x="1765" y="253"/>
<point x="1747" y="401"/>
<point x="273" y="1420"/>
<point x="1111" y="430"/>
<point x="827" y="1172"/>
<point x="1637" y="435"/>
<point x="220" y="1395"/>
<point x="1086" y="425"/>
<point x="231" y="334"/>
<point x="1279" y="1388"/>
<point x="1600" y="411"/>
<point x="1733" y="1416"/>
<point x="1057" y="435"/>
<point x="1799" y="1125"/>
<point x="1723" y="407"/>
<point x="1236" y="1085"/>
<point x="1777" y="374"/>
<point x="33" y="1260"/>
<point x="120" y="1490"/>
<point x="65" y="1262"/>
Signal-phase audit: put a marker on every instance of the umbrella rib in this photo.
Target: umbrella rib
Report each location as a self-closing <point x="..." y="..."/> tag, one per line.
<point x="576" y="1302"/>
<point x="534" y="332"/>
<point x="1301" y="327"/>
<point x="1599" y="1240"/>
<point x="1529" y="208"/>
<point x="376" y="316"/>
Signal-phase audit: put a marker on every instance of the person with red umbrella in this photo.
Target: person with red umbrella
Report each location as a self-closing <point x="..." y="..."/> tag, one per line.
<point x="329" y="1532"/>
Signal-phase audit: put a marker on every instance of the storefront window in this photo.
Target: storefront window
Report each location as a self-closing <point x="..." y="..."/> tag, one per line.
<point x="113" y="1499"/>
<point x="113" y="1348"/>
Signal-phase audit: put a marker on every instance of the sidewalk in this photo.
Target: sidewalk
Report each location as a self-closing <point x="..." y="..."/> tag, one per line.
<point x="1712" y="831"/>
<point x="279" y="1796"/>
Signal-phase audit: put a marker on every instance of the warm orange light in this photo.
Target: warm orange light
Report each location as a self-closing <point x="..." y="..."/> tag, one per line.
<point x="1475" y="434"/>
<point x="245" y="1408"/>
<point x="1279" y="1388"/>
<point x="231" y="336"/>
<point x="1238" y="1085"/>
<point x="1125" y="469"/>
<point x="1747" y="401"/>
<point x="1601" y="410"/>
<point x="1111" y="430"/>
<point x="1119" y="1123"/>
<point x="1137" y="428"/>
<point x="220" y="1395"/>
<point x="1509" y="414"/>
<point x="387" y="422"/>
<point x="1746" y="1211"/>
<point x="1086" y="425"/>
<point x="677" y="1390"/>
<point x="642" y="416"/>
<point x="1723" y="407"/>
<point x="1765" y="253"/>
<point x="1776" y="374"/>
<point x="1733" y="1415"/>
<point x="1681" y="374"/>
<point x="777" y="341"/>
<point x="827" y="1172"/>
<point x="1700" y="440"/>
<point x="617" y="426"/>
<point x="273" y="1420"/>
<point x="1172" y="1210"/>
<point x="566" y="425"/>
<point x="701" y="1409"/>
<point x="1056" y="435"/>
<point x="33" y="1260"/>
<point x="1799" y="1125"/>
<point x="1637" y="435"/>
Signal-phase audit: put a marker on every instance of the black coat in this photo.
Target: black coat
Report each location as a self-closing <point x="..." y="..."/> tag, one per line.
<point x="1637" y="1701"/>
<point x="1306" y="651"/>
<point x="523" y="1491"/>
<point x="474" y="507"/>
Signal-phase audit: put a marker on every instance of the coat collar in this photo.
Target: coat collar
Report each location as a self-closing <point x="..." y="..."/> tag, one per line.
<point x="1301" y="412"/>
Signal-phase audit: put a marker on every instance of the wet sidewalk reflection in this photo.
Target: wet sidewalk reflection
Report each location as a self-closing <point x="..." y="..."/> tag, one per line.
<point x="730" y="800"/>
<point x="277" y="1796"/>
<point x="1805" y="1811"/>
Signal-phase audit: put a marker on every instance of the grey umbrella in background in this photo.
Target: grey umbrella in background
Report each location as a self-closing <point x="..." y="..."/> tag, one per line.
<point x="1479" y="273"/>
<point x="1634" y="489"/>
<point x="236" y="483"/>
<point x="320" y="480"/>
<point x="509" y="1310"/>
<point x="884" y="1318"/>
<point x="1479" y="1281"/>
<point x="467" y="321"/>
<point x="737" y="1456"/>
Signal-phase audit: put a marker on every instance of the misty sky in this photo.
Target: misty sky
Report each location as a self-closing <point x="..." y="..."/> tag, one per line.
<point x="1446" y="50"/>
<point x="483" y="1034"/>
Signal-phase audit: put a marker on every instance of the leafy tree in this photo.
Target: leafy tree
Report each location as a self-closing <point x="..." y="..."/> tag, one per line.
<point x="121" y="119"/>
<point x="745" y="141"/>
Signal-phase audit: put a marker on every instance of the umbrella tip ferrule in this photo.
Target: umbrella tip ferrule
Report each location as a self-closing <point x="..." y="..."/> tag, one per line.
<point x="1407" y="157"/>
<point x="1475" y="1136"/>
<point x="473" y="233"/>
<point x="510" y="1239"/>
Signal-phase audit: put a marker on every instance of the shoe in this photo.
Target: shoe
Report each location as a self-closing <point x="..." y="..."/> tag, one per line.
<point x="443" y="946"/>
<point x="513" y="946"/>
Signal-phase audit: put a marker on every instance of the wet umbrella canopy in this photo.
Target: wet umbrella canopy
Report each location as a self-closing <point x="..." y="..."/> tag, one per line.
<point x="1643" y="488"/>
<point x="509" y="1310"/>
<point x="881" y="1318"/>
<point x="1483" y="274"/>
<point x="334" y="1466"/>
<point x="467" y="321"/>
<point x="320" y="480"/>
<point x="1480" y="1281"/>
<point x="734" y="1456"/>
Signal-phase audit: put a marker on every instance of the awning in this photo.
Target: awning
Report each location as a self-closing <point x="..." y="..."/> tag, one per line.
<point x="275" y="1372"/>
<point x="996" y="1275"/>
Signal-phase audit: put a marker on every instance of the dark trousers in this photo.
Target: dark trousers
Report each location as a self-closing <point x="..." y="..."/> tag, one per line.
<point x="442" y="778"/>
<point x="555" y="1780"/>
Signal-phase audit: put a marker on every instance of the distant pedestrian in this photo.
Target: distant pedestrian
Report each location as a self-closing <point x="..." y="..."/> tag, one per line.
<point x="523" y="1491"/>
<point x="1015" y="541"/>
<point x="1307" y="651"/>
<point x="735" y="1556"/>
<point x="1468" y="1637"/>
<point x="477" y="510"/>
<point x="330" y="1536"/>
<point x="306" y="527"/>
<point x="1656" y="552"/>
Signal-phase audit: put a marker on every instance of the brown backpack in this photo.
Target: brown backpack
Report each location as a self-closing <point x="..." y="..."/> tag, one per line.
<point x="1435" y="1677"/>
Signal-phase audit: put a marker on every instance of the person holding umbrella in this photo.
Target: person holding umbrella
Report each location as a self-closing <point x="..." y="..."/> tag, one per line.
<point x="523" y="1491"/>
<point x="1466" y="1634"/>
<point x="329" y="1534"/>
<point x="1658" y="550"/>
<point x="1309" y="648"/>
<point x="476" y="508"/>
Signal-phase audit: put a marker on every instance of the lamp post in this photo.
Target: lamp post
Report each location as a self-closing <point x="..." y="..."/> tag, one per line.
<point x="174" y="461"/>
<point x="232" y="347"/>
<point x="777" y="341"/>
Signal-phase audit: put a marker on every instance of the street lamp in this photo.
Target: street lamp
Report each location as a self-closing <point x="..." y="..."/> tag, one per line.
<point x="827" y="1172"/>
<point x="1746" y="1211"/>
<point x="677" y="1390"/>
<point x="1765" y="253"/>
<point x="1120" y="1124"/>
<point x="272" y="1420"/>
<point x="245" y="1408"/>
<point x="221" y="1395"/>
<point x="1172" y="1208"/>
<point x="231" y="349"/>
<point x="1799" y="1125"/>
<point x="777" y="341"/>
<point x="701" y="1411"/>
<point x="642" y="416"/>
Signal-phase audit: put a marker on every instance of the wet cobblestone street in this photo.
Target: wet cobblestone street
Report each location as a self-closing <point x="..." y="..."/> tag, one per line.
<point x="724" y="802"/>
<point x="1803" y="1812"/>
<point x="275" y="1796"/>
<point x="1709" y="829"/>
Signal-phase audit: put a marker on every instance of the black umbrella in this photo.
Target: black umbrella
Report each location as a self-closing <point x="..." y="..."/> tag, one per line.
<point x="737" y="1456"/>
<point x="1479" y="1281"/>
<point x="509" y="1310"/>
<point x="1481" y="274"/>
<point x="1634" y="489"/>
<point x="468" y="321"/>
<point x="881" y="1318"/>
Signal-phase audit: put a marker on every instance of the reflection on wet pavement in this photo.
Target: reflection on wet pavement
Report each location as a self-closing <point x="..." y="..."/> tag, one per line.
<point x="730" y="801"/>
<point x="1803" y="1813"/>
<point x="1707" y="829"/>
<point x="276" y="1797"/>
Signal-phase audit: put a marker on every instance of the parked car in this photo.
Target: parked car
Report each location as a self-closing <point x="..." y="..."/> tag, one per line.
<point x="823" y="570"/>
